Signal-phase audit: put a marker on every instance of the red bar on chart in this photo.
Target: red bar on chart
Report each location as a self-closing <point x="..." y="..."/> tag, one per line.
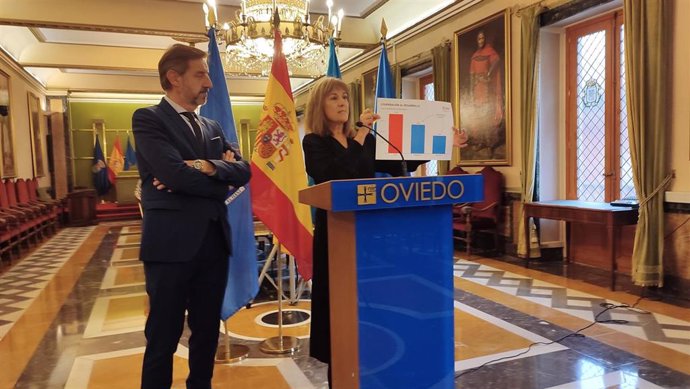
<point x="395" y="131"/>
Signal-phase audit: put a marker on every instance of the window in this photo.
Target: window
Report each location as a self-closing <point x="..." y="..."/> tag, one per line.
<point x="598" y="159"/>
<point x="426" y="92"/>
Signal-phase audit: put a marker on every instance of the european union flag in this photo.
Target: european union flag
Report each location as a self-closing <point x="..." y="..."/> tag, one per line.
<point x="243" y="276"/>
<point x="100" y="170"/>
<point x="130" y="155"/>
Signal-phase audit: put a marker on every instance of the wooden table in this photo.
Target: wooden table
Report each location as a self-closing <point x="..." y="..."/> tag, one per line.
<point x="574" y="211"/>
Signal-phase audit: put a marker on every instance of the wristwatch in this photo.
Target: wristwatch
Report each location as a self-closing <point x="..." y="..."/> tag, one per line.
<point x="198" y="164"/>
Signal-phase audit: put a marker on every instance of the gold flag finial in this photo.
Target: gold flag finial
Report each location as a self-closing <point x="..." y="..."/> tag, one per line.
<point x="384" y="29"/>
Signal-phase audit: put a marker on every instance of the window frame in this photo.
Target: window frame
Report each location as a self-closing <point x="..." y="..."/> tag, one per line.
<point x="610" y="23"/>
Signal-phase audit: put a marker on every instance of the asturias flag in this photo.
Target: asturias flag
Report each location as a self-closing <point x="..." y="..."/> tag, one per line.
<point x="100" y="170"/>
<point x="278" y="168"/>
<point x="117" y="161"/>
<point x="130" y="155"/>
<point x="243" y="276"/>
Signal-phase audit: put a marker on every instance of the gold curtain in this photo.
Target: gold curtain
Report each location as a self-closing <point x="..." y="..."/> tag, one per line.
<point x="528" y="126"/>
<point x="645" y="72"/>
<point x="440" y="66"/>
<point x="355" y="100"/>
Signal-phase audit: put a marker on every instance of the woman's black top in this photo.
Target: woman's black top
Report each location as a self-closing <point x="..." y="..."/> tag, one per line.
<point x="326" y="159"/>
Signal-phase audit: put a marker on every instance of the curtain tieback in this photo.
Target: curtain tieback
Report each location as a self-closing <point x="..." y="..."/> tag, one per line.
<point x="656" y="191"/>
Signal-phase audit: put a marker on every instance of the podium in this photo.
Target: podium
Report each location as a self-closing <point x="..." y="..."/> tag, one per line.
<point x="391" y="278"/>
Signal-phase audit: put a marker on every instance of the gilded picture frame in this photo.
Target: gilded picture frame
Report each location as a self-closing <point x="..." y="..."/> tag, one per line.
<point x="482" y="90"/>
<point x="8" y="165"/>
<point x="36" y="134"/>
<point x="369" y="88"/>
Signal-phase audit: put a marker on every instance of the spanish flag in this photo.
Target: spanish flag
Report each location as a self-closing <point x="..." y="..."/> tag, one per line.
<point x="117" y="161"/>
<point x="278" y="172"/>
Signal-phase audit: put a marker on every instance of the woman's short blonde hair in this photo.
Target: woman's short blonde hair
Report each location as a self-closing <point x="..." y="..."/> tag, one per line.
<point x="315" y="118"/>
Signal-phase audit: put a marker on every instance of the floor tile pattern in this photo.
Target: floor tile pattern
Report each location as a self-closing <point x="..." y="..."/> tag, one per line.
<point x="21" y="284"/>
<point x="661" y="329"/>
<point x="97" y="339"/>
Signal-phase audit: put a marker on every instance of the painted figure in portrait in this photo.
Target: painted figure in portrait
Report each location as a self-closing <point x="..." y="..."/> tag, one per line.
<point x="482" y="91"/>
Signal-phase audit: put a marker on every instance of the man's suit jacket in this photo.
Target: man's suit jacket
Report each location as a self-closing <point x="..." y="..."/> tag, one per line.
<point x="175" y="220"/>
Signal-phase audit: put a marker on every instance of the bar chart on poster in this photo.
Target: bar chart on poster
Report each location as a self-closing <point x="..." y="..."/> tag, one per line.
<point x="420" y="129"/>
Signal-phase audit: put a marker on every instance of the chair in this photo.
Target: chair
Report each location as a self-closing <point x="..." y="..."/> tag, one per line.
<point x="482" y="216"/>
<point x="457" y="170"/>
<point x="47" y="213"/>
<point x="20" y="227"/>
<point x="40" y="196"/>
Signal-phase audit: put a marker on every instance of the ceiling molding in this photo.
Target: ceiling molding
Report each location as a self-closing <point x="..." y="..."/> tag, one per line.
<point x="373" y="8"/>
<point x="14" y="65"/>
<point x="86" y="67"/>
<point x="37" y="34"/>
<point x="88" y="27"/>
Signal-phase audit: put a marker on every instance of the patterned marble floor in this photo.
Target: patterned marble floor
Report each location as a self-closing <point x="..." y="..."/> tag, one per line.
<point x="72" y="316"/>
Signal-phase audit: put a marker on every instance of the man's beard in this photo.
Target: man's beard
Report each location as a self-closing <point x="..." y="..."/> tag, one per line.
<point x="201" y="97"/>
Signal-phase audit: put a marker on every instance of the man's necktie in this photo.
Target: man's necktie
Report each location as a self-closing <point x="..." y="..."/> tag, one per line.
<point x="195" y="126"/>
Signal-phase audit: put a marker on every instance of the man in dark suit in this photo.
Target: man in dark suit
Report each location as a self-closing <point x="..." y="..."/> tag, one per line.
<point x="186" y="167"/>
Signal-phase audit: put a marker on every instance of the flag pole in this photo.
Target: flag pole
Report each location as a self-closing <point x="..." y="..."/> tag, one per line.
<point x="280" y="344"/>
<point x="230" y="353"/>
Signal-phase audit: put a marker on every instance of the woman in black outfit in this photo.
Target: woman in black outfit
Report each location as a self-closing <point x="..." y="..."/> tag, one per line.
<point x="334" y="150"/>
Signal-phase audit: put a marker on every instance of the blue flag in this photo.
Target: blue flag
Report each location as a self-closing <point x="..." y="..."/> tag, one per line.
<point x="100" y="170"/>
<point x="333" y="67"/>
<point x="243" y="275"/>
<point x="130" y="155"/>
<point x="384" y="85"/>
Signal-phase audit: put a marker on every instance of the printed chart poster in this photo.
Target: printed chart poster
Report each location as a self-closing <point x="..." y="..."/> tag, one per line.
<point x="422" y="130"/>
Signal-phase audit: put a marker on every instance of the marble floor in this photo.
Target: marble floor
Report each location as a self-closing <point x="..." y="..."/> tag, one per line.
<point x="72" y="315"/>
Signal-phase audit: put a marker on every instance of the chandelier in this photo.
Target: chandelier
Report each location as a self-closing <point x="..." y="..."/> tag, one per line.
<point x="249" y="37"/>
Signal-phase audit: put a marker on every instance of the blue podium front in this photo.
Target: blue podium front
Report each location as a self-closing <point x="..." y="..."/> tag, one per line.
<point x="391" y="278"/>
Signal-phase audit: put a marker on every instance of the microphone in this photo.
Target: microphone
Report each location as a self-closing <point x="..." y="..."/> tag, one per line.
<point x="403" y="163"/>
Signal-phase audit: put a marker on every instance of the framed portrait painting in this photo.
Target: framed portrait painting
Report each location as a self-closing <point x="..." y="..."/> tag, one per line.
<point x="369" y="88"/>
<point x="36" y="134"/>
<point x="7" y="163"/>
<point x="482" y="54"/>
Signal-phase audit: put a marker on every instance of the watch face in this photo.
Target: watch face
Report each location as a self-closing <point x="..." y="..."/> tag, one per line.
<point x="197" y="164"/>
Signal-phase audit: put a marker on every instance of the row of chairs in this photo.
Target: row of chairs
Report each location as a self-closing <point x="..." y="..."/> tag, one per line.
<point x="25" y="220"/>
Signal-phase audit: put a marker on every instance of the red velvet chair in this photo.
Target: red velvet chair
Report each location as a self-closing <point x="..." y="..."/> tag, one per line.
<point x="482" y="216"/>
<point x="47" y="212"/>
<point x="59" y="205"/>
<point x="457" y="170"/>
<point x="33" y="219"/>
<point x="9" y="239"/>
<point x="20" y="222"/>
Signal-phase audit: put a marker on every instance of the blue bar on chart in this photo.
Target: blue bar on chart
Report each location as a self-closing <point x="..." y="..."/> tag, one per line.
<point x="417" y="141"/>
<point x="439" y="144"/>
